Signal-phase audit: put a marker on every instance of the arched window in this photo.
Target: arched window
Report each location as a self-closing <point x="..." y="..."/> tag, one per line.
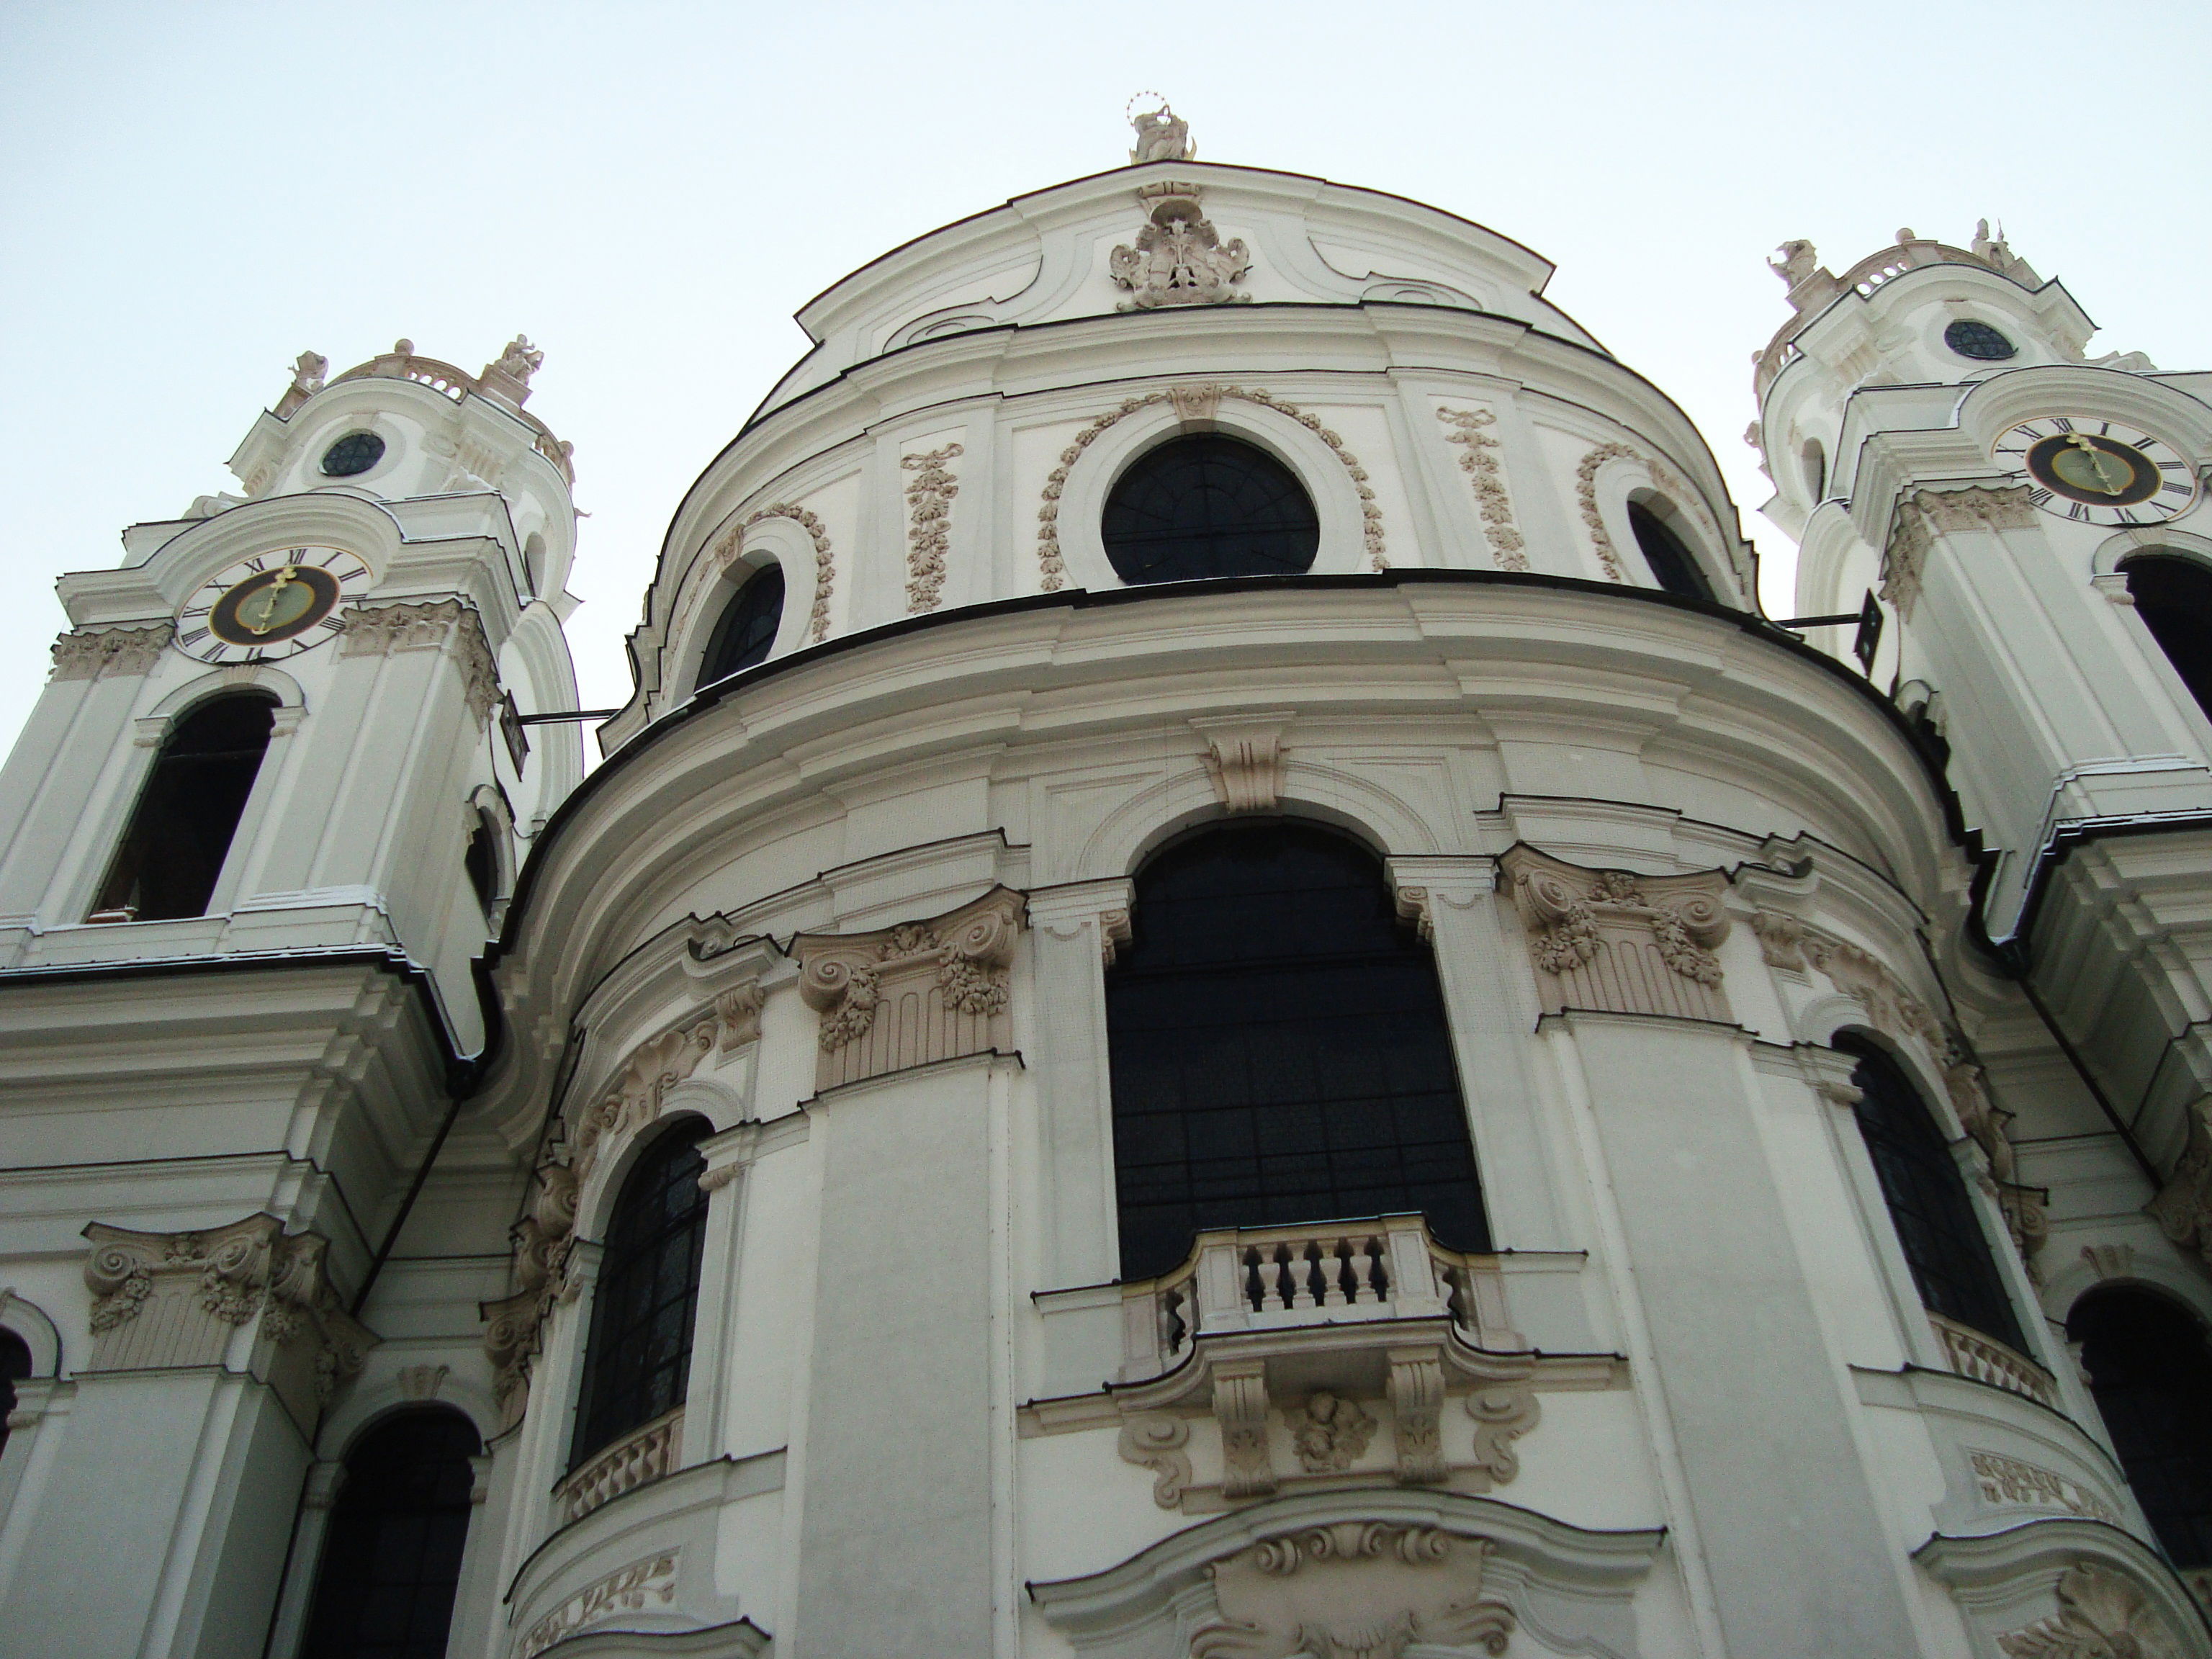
<point x="1814" y="461"/>
<point x="180" y="832"/>
<point x="2174" y="596"/>
<point x="1674" y="567"/>
<point x="1208" y="506"/>
<point x="2151" y="1371"/>
<point x="746" y="632"/>
<point x="392" y="1556"/>
<point x="638" y="1362"/>
<point x="14" y="1366"/>
<point x="1944" y="1243"/>
<point x="481" y="860"/>
<point x="1279" y="1049"/>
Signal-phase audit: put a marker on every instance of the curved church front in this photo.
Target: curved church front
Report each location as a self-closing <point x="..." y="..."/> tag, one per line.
<point x="1221" y="994"/>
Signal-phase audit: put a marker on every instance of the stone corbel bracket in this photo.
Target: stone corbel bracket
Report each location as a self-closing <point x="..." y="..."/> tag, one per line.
<point x="248" y="1295"/>
<point x="1294" y="1409"/>
<point x="915" y="993"/>
<point x="1617" y="943"/>
<point x="1244" y="759"/>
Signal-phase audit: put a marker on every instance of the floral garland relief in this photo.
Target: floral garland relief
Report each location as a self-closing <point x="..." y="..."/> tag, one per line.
<point x="1054" y="569"/>
<point x="1479" y="458"/>
<point x="929" y="506"/>
<point x="817" y="626"/>
<point x="1586" y="498"/>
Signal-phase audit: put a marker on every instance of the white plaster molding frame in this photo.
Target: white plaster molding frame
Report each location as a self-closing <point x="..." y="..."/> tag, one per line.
<point x="732" y="556"/>
<point x="28" y="1320"/>
<point x="1317" y="466"/>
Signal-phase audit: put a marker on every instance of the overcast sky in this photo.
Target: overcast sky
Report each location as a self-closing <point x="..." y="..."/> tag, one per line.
<point x="190" y="194"/>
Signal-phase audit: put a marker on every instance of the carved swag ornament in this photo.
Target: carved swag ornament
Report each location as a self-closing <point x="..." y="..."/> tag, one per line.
<point x="1621" y="943"/>
<point x="1352" y="1590"/>
<point x="915" y="993"/>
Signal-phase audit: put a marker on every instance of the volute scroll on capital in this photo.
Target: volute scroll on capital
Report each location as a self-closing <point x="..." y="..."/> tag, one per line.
<point x="1620" y="943"/>
<point x="913" y="993"/>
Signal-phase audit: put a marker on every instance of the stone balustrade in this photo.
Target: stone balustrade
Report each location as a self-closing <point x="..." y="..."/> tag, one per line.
<point x="1986" y="1359"/>
<point x="645" y="1454"/>
<point x="1262" y="1279"/>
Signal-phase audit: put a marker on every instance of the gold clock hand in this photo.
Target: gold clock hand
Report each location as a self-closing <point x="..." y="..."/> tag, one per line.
<point x="268" y="600"/>
<point x="2097" y="460"/>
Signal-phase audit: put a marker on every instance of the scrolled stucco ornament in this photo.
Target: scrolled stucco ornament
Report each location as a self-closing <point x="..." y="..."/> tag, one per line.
<point x="1179" y="258"/>
<point x="2101" y="1615"/>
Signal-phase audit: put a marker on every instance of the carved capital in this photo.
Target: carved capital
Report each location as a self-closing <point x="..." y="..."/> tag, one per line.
<point x="1625" y="943"/>
<point x="1904" y="562"/>
<point x="2183" y="1208"/>
<point x="1951" y="510"/>
<point x="92" y="654"/>
<point x="738" y="1011"/>
<point x="437" y="625"/>
<point x="161" y="1300"/>
<point x="945" y="980"/>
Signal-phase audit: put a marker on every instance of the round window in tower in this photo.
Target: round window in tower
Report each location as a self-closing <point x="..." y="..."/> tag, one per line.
<point x="1979" y="341"/>
<point x="1208" y="506"/>
<point x="354" y="453"/>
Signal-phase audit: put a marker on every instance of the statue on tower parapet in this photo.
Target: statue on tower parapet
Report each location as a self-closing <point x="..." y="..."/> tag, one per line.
<point x="510" y="376"/>
<point x="1162" y="135"/>
<point x="308" y="371"/>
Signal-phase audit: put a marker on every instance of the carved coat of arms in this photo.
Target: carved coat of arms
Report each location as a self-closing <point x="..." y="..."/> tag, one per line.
<point x="1179" y="258"/>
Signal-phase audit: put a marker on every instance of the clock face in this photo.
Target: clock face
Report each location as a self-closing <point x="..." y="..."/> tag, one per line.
<point x="2096" y="471"/>
<point x="271" y="605"/>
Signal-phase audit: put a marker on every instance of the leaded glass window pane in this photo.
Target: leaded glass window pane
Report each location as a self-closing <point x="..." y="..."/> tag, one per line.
<point x="1208" y="506"/>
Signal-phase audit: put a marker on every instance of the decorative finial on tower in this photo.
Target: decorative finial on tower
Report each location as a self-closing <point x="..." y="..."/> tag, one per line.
<point x="510" y="376"/>
<point x="308" y="371"/>
<point x="1162" y="135"/>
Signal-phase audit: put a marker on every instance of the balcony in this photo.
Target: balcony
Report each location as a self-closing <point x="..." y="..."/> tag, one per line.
<point x="646" y="1453"/>
<point x="1333" y="1273"/>
<point x="1986" y="1359"/>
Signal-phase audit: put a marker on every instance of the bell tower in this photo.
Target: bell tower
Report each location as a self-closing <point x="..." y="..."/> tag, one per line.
<point x="254" y="842"/>
<point x="2033" y="521"/>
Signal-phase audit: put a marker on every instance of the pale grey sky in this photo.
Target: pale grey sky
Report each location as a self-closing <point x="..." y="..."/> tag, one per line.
<point x="192" y="194"/>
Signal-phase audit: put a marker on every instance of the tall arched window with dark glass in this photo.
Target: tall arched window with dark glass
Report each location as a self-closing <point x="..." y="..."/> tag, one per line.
<point x="1674" y="567"/>
<point x="392" y="1556"/>
<point x="2173" y="597"/>
<point x="1944" y="1244"/>
<point x="1208" y="506"/>
<point x="637" y="1363"/>
<point x="745" y="632"/>
<point x="1278" y="1049"/>
<point x="2150" y="1368"/>
<point x="172" y="854"/>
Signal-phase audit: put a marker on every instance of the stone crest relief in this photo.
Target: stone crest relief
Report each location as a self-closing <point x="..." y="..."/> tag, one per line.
<point x="2101" y="1615"/>
<point x="1352" y="1590"/>
<point x="1179" y="258"/>
<point x="910" y="995"/>
<point x="1620" y="943"/>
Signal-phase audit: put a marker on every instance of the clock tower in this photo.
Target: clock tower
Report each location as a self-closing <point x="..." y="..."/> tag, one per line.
<point x="2031" y="524"/>
<point x="254" y="844"/>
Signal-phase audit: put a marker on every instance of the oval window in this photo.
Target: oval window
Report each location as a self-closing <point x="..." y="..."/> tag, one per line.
<point x="354" y="453"/>
<point x="1208" y="506"/>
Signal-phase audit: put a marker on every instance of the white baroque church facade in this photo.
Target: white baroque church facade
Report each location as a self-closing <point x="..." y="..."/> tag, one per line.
<point x="1220" y="995"/>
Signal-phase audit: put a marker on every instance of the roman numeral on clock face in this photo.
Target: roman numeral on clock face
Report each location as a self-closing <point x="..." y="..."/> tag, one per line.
<point x="2062" y="424"/>
<point x="2183" y="490"/>
<point x="194" y="636"/>
<point x="2077" y="511"/>
<point x="2039" y="498"/>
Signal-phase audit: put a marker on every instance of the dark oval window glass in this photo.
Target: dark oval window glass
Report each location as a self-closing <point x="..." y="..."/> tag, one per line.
<point x="1279" y="1049"/>
<point x="2151" y="1371"/>
<point x="1926" y="1193"/>
<point x="481" y="859"/>
<point x="1979" y="341"/>
<point x="746" y="633"/>
<point x="357" y="452"/>
<point x="1674" y="567"/>
<point x="638" y="1361"/>
<point x="1208" y="506"/>
<point x="180" y="830"/>
<point x="14" y="1366"/>
<point x="2173" y="597"/>
<point x="392" y="1555"/>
